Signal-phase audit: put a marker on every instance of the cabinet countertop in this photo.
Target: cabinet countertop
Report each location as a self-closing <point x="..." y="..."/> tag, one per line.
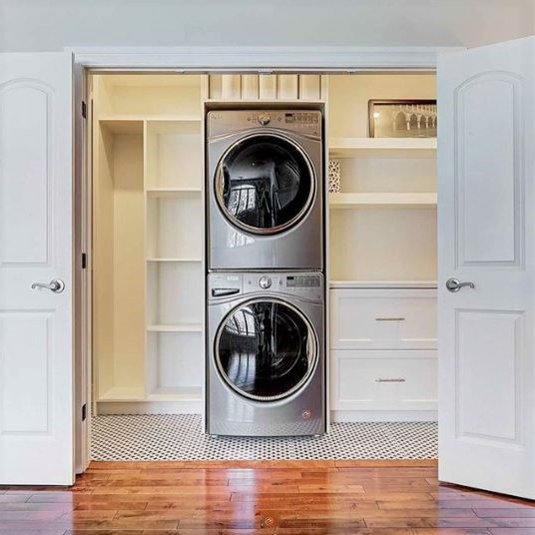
<point x="335" y="284"/>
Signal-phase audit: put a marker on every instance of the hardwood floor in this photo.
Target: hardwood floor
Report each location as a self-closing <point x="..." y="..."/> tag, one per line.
<point x="281" y="497"/>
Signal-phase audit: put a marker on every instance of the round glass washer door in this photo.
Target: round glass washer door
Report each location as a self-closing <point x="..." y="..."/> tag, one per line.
<point x="265" y="349"/>
<point x="264" y="184"/>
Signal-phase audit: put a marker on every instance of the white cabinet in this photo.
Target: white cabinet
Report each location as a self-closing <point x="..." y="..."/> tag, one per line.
<point x="384" y="380"/>
<point x="383" y="354"/>
<point x="383" y="319"/>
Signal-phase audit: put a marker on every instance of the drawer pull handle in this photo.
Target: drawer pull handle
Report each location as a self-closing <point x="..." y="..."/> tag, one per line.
<point x="389" y="319"/>
<point x="398" y="380"/>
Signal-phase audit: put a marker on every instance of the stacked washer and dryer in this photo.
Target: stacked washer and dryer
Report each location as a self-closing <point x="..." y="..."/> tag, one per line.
<point x="265" y="284"/>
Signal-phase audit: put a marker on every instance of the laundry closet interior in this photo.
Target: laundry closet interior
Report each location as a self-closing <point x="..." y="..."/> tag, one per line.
<point x="147" y="230"/>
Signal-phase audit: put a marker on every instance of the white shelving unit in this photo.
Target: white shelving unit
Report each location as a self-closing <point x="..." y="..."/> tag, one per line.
<point x="351" y="147"/>
<point x="148" y="236"/>
<point x="382" y="258"/>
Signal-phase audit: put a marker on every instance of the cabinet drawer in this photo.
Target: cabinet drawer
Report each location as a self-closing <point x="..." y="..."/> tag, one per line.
<point x="383" y="319"/>
<point x="383" y="380"/>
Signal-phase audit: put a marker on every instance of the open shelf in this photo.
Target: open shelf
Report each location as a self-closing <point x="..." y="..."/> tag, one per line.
<point x="140" y="118"/>
<point x="123" y="125"/>
<point x="176" y="328"/>
<point x="174" y="293"/>
<point x="154" y="96"/>
<point x="172" y="192"/>
<point x="174" y="227"/>
<point x="118" y="260"/>
<point x="350" y="147"/>
<point x="174" y="155"/>
<point x="162" y="259"/>
<point x="349" y="200"/>
<point x="383" y="242"/>
<point x="175" y="365"/>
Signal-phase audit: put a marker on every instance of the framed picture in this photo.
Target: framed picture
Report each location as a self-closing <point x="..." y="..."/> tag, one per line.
<point x="402" y="118"/>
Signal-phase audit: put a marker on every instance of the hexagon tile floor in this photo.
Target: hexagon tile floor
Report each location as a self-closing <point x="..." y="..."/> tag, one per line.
<point x="157" y="437"/>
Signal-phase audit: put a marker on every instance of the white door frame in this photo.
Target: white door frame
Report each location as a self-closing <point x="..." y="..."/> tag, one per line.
<point x="197" y="59"/>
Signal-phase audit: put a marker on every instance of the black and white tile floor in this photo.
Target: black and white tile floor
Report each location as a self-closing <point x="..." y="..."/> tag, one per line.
<point x="159" y="437"/>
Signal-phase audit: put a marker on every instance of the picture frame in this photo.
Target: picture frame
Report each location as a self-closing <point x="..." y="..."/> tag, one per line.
<point x="402" y="118"/>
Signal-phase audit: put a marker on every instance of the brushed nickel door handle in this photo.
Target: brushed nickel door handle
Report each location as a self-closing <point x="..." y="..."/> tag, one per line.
<point x="454" y="285"/>
<point x="55" y="285"/>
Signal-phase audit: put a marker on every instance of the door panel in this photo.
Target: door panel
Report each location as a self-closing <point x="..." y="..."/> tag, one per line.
<point x="25" y="405"/>
<point x="489" y="138"/>
<point x="24" y="107"/>
<point x="36" y="341"/>
<point x="486" y="347"/>
<point x="489" y="360"/>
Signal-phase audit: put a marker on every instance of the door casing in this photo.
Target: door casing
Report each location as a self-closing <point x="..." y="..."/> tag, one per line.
<point x="205" y="60"/>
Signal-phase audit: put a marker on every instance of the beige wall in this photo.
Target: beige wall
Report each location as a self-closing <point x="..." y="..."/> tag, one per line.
<point x="28" y="25"/>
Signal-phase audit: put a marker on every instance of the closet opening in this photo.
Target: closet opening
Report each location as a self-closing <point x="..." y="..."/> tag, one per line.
<point x="145" y="227"/>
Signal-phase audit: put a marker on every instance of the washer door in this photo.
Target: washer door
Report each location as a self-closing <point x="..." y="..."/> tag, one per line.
<point x="265" y="349"/>
<point x="264" y="184"/>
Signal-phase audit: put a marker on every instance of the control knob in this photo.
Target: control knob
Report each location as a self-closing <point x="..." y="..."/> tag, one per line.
<point x="264" y="282"/>
<point x="263" y="119"/>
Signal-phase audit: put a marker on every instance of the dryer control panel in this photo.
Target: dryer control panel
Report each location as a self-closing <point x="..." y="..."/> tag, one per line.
<point x="223" y="122"/>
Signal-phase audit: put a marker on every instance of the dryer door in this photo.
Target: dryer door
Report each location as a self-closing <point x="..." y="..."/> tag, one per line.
<point x="266" y="349"/>
<point x="264" y="184"/>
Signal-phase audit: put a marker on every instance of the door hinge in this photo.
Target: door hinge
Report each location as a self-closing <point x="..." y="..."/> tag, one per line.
<point x="84" y="109"/>
<point x="84" y="412"/>
<point x="84" y="260"/>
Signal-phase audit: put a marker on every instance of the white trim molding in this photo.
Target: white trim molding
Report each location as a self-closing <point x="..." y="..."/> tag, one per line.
<point x="260" y="58"/>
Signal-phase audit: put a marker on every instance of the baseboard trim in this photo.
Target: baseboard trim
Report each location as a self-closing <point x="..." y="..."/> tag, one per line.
<point x="149" y="407"/>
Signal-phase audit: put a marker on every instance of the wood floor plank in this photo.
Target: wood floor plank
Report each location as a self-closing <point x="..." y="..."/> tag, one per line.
<point x="275" y="498"/>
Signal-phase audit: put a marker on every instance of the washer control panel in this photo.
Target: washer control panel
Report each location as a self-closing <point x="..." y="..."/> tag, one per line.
<point x="231" y="285"/>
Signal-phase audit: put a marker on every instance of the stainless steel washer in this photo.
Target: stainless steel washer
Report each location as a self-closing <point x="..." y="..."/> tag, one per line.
<point x="265" y="195"/>
<point x="265" y="355"/>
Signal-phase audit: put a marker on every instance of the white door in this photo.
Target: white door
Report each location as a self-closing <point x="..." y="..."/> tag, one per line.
<point x="486" y="102"/>
<point x="36" y="341"/>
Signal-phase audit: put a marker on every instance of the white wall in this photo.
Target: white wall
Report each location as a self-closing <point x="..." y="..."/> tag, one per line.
<point x="31" y="25"/>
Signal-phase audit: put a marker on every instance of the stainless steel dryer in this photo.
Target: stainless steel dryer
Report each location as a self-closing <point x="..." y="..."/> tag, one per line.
<point x="265" y="189"/>
<point x="265" y="355"/>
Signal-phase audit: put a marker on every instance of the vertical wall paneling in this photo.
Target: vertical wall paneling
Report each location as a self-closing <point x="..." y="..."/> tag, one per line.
<point x="267" y="86"/>
<point x="249" y="87"/>
<point x="230" y="87"/>
<point x="288" y="87"/>
<point x="309" y="87"/>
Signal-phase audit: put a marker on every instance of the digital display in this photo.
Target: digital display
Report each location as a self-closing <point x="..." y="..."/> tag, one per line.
<point x="289" y="117"/>
<point x="302" y="281"/>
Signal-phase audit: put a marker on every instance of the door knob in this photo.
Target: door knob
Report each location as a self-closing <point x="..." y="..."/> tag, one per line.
<point x="55" y="285"/>
<point x="454" y="285"/>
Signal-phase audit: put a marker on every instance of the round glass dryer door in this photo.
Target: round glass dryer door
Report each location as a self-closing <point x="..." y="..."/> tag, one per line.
<point x="265" y="350"/>
<point x="265" y="184"/>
